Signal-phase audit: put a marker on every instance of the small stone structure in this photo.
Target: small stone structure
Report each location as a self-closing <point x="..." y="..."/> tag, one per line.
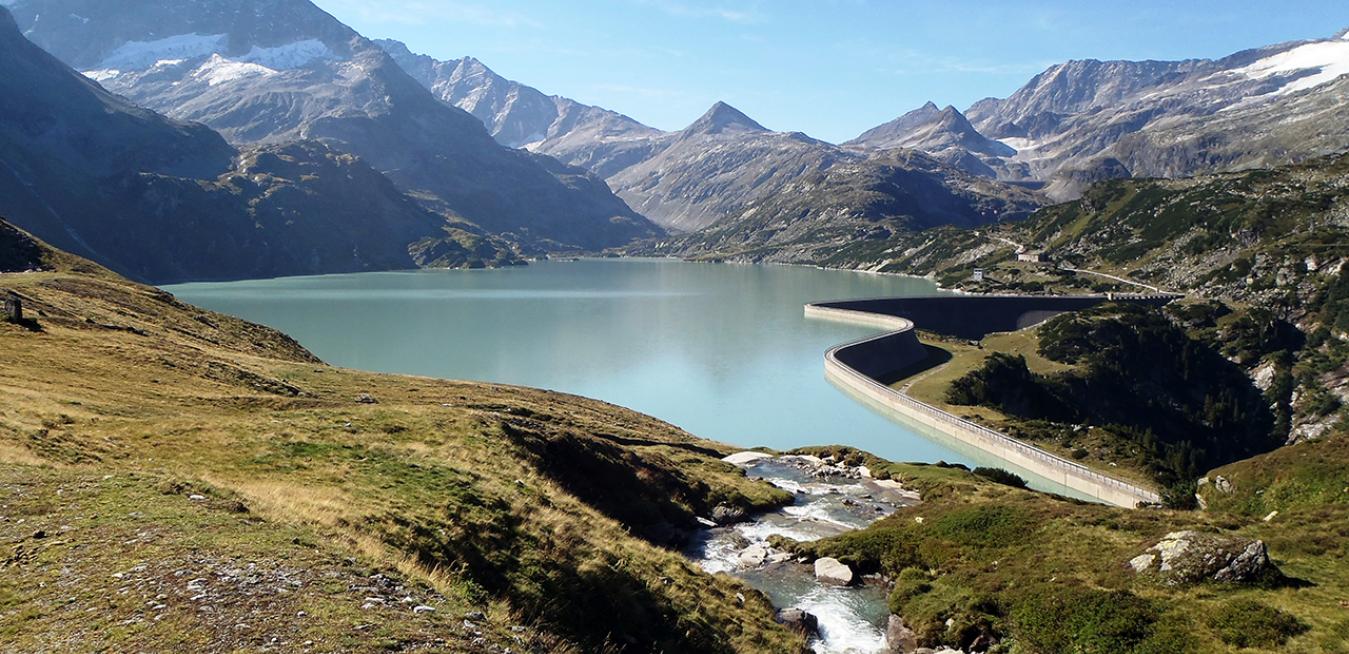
<point x="1032" y="256"/>
<point x="11" y="308"/>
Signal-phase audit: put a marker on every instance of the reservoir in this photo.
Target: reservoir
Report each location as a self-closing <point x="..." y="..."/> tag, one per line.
<point x="720" y="350"/>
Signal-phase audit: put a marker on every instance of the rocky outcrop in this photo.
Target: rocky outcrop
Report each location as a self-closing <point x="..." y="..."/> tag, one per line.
<point x="1191" y="557"/>
<point x="832" y="571"/>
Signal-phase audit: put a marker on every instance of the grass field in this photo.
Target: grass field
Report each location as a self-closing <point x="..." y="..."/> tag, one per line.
<point x="152" y="452"/>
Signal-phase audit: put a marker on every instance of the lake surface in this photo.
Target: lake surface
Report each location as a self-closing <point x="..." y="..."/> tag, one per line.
<point x="720" y="350"/>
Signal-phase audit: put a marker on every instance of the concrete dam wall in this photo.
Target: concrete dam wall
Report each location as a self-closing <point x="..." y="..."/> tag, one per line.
<point x="976" y="316"/>
<point x="868" y="367"/>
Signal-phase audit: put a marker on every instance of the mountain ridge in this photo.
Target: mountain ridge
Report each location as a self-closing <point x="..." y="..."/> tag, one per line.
<point x="302" y="75"/>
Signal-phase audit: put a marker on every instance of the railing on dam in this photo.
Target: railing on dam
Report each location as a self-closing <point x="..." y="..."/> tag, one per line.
<point x="902" y="347"/>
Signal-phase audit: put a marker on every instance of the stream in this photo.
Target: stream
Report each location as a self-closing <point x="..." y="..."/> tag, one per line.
<point x="830" y="500"/>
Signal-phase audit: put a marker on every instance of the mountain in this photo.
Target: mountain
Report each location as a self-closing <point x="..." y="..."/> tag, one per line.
<point x="1256" y="108"/>
<point x="276" y="71"/>
<point x="728" y="173"/>
<point x="720" y="164"/>
<point x="520" y="116"/>
<point x="165" y="200"/>
<point x="1086" y="121"/>
<point x="943" y="133"/>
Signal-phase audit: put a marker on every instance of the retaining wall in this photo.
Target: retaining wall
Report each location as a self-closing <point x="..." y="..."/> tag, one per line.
<point x="865" y="367"/>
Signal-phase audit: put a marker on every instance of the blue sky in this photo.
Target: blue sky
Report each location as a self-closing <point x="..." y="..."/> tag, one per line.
<point x="830" y="68"/>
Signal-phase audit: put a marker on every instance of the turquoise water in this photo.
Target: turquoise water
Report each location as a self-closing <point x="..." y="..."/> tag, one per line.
<point x="720" y="350"/>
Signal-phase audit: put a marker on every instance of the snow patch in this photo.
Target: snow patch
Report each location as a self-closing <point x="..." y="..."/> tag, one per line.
<point x="291" y="55"/>
<point x="139" y="55"/>
<point x="101" y="75"/>
<point x="219" y="70"/>
<point x="80" y="18"/>
<point x="1019" y="143"/>
<point x="1330" y="60"/>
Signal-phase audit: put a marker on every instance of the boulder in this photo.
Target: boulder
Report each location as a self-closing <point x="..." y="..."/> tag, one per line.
<point x="754" y="555"/>
<point x="899" y="638"/>
<point x="800" y="621"/>
<point x="1189" y="557"/>
<point x="832" y="571"/>
<point x="725" y="514"/>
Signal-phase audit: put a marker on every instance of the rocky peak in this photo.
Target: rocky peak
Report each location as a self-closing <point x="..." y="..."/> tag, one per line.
<point x="722" y="118"/>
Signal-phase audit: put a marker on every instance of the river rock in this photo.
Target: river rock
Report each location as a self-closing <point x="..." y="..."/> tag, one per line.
<point x="754" y="555"/>
<point x="899" y="638"/>
<point x="1189" y="557"/>
<point x="800" y="621"/>
<point x="725" y="514"/>
<point x="832" y="571"/>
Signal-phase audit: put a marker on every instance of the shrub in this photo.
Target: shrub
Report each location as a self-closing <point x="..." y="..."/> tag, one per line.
<point x="1001" y="476"/>
<point x="1083" y="620"/>
<point x="1248" y="623"/>
<point x="1180" y="496"/>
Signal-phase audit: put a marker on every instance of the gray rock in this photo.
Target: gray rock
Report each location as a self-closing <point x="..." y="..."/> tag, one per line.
<point x="832" y="571"/>
<point x="1189" y="557"/>
<point x="366" y="398"/>
<point x="799" y="621"/>
<point x="725" y="514"/>
<point x="899" y="638"/>
<point x="754" y="556"/>
<point x="1222" y="484"/>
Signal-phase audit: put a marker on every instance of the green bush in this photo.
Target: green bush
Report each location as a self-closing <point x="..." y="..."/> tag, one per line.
<point x="1248" y="623"/>
<point x="1001" y="476"/>
<point x="1088" y="621"/>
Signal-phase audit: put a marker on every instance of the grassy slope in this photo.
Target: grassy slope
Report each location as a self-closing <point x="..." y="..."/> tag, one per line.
<point x="525" y="504"/>
<point x="1260" y="252"/>
<point x="1048" y="575"/>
